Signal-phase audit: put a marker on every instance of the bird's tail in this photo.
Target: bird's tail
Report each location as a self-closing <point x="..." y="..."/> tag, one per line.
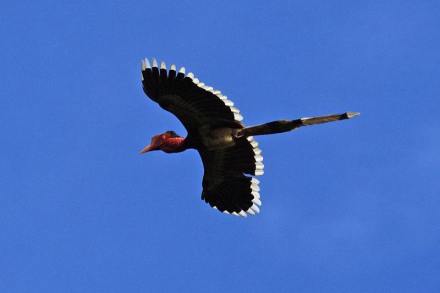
<point x="288" y="125"/>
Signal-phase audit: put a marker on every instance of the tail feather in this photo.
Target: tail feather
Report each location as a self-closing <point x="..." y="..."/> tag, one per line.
<point x="289" y="125"/>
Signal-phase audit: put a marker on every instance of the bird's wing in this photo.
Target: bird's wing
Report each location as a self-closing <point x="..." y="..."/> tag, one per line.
<point x="225" y="185"/>
<point x="192" y="102"/>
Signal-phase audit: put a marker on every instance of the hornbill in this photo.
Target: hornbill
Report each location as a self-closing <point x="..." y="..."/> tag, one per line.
<point x="229" y="152"/>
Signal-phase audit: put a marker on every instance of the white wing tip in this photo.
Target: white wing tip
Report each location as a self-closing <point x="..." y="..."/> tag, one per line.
<point x="258" y="158"/>
<point x="238" y="117"/>
<point x="242" y="213"/>
<point x="257" y="201"/>
<point x="234" y="110"/>
<point x="259" y="172"/>
<point x="255" y="187"/>
<point x="145" y="64"/>
<point x="255" y="208"/>
<point x="228" y="103"/>
<point x="257" y="151"/>
<point x="154" y="62"/>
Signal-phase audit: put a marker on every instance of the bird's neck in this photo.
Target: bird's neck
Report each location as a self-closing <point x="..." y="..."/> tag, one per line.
<point x="174" y="145"/>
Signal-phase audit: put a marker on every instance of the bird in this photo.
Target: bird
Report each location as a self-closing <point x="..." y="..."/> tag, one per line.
<point x="231" y="156"/>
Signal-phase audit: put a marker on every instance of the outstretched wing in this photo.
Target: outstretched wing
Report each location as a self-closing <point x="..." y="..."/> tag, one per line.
<point x="225" y="185"/>
<point x="192" y="102"/>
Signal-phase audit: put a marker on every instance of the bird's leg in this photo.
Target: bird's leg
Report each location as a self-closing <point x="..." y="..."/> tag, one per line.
<point x="288" y="125"/>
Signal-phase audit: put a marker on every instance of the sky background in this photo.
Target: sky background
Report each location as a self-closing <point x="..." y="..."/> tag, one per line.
<point x="351" y="206"/>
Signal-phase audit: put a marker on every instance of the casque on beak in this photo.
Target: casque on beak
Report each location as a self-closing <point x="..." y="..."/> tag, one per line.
<point x="147" y="149"/>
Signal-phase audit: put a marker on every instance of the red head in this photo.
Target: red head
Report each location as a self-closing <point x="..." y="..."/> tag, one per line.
<point x="168" y="142"/>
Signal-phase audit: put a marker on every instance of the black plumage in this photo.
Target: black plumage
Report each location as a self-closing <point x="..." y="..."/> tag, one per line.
<point x="229" y="153"/>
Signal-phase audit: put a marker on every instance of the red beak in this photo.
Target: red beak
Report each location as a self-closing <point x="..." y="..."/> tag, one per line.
<point x="147" y="149"/>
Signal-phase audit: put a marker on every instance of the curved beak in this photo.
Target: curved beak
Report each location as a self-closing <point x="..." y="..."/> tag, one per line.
<point x="147" y="149"/>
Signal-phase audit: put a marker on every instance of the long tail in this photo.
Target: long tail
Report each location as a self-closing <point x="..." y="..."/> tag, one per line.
<point x="288" y="125"/>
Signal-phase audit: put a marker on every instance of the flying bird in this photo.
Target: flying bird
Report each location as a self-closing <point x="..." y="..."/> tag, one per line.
<point x="230" y="155"/>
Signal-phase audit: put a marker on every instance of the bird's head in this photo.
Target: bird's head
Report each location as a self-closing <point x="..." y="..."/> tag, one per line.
<point x="168" y="142"/>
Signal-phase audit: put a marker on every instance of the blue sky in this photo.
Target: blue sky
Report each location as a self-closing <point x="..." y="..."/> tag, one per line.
<point x="351" y="206"/>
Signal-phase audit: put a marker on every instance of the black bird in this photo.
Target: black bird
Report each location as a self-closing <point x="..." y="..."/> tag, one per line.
<point x="227" y="147"/>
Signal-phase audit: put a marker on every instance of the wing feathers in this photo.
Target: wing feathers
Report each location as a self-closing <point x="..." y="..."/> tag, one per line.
<point x="233" y="194"/>
<point x="225" y="184"/>
<point x="194" y="103"/>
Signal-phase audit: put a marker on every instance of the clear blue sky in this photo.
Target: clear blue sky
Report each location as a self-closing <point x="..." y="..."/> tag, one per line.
<point x="351" y="206"/>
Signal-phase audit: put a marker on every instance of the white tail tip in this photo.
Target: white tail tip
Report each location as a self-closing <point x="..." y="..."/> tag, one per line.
<point x="352" y="114"/>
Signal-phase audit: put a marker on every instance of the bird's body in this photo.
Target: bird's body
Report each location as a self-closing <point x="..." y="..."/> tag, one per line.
<point x="228" y="150"/>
